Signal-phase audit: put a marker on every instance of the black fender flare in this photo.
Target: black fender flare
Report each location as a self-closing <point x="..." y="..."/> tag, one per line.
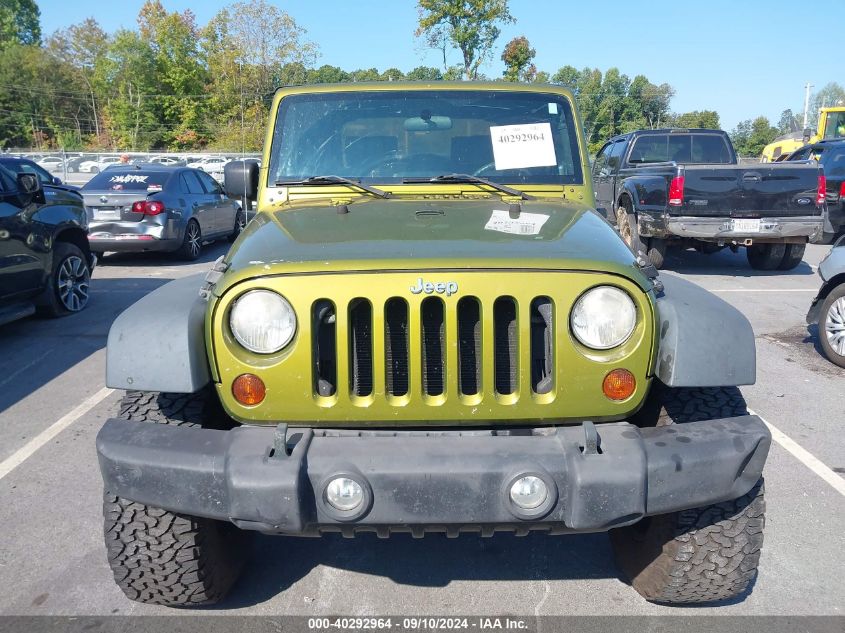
<point x="158" y="343"/>
<point x="703" y="341"/>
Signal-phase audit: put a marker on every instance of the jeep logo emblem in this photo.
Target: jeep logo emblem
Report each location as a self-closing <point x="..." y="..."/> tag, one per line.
<point x="447" y="288"/>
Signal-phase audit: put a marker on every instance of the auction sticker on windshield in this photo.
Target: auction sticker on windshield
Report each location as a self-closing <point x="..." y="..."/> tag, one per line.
<point x="525" y="224"/>
<point x="520" y="146"/>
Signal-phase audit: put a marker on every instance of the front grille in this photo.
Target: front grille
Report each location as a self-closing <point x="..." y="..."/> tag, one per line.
<point x="398" y="349"/>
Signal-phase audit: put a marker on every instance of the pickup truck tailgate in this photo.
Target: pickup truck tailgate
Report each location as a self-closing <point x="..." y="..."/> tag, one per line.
<point x="774" y="190"/>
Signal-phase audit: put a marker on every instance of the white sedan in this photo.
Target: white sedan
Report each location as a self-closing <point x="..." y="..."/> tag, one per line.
<point x="96" y="166"/>
<point x="210" y="163"/>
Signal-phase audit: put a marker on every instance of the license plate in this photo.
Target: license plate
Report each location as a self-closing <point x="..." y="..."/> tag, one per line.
<point x="106" y="213"/>
<point x="746" y="226"/>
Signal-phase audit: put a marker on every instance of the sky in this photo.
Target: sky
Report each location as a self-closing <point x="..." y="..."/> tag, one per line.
<point x="742" y="58"/>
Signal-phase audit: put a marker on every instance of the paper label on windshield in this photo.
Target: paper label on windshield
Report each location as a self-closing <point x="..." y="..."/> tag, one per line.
<point x="519" y="146"/>
<point x="525" y="224"/>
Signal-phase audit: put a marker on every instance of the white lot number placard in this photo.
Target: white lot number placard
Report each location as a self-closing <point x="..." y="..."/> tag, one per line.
<point x="525" y="224"/>
<point x="519" y="146"/>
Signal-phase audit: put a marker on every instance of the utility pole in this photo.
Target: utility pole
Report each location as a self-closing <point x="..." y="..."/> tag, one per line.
<point x="807" y="89"/>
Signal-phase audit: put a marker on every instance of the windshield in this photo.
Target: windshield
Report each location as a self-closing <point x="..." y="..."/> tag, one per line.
<point x="514" y="137"/>
<point x="136" y="180"/>
<point x="681" y="148"/>
<point x="835" y="125"/>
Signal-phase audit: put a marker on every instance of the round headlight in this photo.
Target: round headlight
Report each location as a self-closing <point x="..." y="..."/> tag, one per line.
<point x="262" y="321"/>
<point x="603" y="317"/>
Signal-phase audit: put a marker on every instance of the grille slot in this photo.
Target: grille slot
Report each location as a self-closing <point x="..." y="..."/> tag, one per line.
<point x="433" y="357"/>
<point x="396" y="346"/>
<point x="505" y="347"/>
<point x="361" y="347"/>
<point x="542" y="345"/>
<point x="324" y="347"/>
<point x="469" y="346"/>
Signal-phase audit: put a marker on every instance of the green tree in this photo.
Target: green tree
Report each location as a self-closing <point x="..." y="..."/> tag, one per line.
<point x="518" y="56"/>
<point x="424" y="73"/>
<point x="696" y="119"/>
<point x="751" y="136"/>
<point x="789" y="122"/>
<point x="327" y="74"/>
<point x="831" y="94"/>
<point x="471" y="26"/>
<point x="20" y="23"/>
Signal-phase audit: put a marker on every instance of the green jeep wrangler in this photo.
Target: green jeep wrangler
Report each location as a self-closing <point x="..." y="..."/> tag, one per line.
<point x="428" y="328"/>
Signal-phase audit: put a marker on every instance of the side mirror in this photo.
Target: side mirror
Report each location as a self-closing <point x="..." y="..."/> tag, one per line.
<point x="28" y="184"/>
<point x="240" y="179"/>
<point x="57" y="180"/>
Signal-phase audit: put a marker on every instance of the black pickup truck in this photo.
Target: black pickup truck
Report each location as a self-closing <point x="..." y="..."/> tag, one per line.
<point x="685" y="188"/>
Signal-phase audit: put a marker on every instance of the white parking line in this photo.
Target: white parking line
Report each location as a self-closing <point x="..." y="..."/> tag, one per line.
<point x="804" y="456"/>
<point x="27" y="450"/>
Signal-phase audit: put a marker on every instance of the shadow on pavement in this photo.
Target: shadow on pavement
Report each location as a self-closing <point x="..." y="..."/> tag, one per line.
<point x="724" y="262"/>
<point x="209" y="253"/>
<point x="37" y="350"/>
<point x="434" y="561"/>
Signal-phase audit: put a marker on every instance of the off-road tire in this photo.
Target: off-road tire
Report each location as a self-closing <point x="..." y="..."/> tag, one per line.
<point x="68" y="260"/>
<point x="191" y="247"/>
<point x="699" y="555"/>
<point x="626" y="224"/>
<point x="792" y="256"/>
<point x="836" y="295"/>
<point x="656" y="252"/>
<point x="765" y="256"/>
<point x="162" y="557"/>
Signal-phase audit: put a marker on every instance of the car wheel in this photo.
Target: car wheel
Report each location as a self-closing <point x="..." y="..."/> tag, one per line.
<point x="656" y="252"/>
<point x="191" y="242"/>
<point x="94" y="170"/>
<point x="70" y="277"/>
<point x="765" y="256"/>
<point x="626" y="224"/>
<point x="703" y="554"/>
<point x="161" y="557"/>
<point x="792" y="256"/>
<point x="832" y="326"/>
<point x="240" y="225"/>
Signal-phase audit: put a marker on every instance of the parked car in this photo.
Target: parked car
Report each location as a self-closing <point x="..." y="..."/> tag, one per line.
<point x="96" y="165"/>
<point x="831" y="156"/>
<point x="428" y="328"/>
<point x="684" y="187"/>
<point x="156" y="208"/>
<point x="169" y="161"/>
<point x="72" y="164"/>
<point x="51" y="163"/>
<point x="210" y="163"/>
<point x="24" y="165"/>
<point x="828" y="308"/>
<point x="45" y="260"/>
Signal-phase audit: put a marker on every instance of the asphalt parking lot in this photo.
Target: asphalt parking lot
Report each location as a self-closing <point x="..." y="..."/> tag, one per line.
<point x="52" y="560"/>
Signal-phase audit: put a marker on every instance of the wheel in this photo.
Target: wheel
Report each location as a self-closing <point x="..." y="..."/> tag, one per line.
<point x="162" y="557"/>
<point x="192" y="241"/>
<point x="656" y="251"/>
<point x="626" y="223"/>
<point x="94" y="170"/>
<point x="765" y="256"/>
<point x="240" y="224"/>
<point x="67" y="287"/>
<point x="792" y="256"/>
<point x="832" y="326"/>
<point x="703" y="554"/>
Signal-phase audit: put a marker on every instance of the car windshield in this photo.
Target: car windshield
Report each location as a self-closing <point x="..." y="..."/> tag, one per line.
<point x="681" y="148"/>
<point x="388" y="136"/>
<point x="835" y="125"/>
<point x="134" y="180"/>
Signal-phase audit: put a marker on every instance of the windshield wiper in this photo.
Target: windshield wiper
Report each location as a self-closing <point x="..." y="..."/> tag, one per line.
<point x="471" y="179"/>
<point x="334" y="180"/>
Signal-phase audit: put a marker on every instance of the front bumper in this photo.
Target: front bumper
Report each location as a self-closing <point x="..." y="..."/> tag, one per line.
<point x="722" y="229"/>
<point x="273" y="479"/>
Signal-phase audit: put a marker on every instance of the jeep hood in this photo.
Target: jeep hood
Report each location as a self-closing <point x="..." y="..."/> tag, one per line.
<point x="415" y="234"/>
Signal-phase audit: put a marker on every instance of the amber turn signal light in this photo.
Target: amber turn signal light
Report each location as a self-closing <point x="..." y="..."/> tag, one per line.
<point x="619" y="384"/>
<point x="249" y="389"/>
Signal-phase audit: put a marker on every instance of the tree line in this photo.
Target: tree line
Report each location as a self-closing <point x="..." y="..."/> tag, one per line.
<point x="174" y="84"/>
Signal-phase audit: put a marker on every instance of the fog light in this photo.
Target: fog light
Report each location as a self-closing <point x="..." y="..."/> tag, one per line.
<point x="344" y="494"/>
<point x="529" y="492"/>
